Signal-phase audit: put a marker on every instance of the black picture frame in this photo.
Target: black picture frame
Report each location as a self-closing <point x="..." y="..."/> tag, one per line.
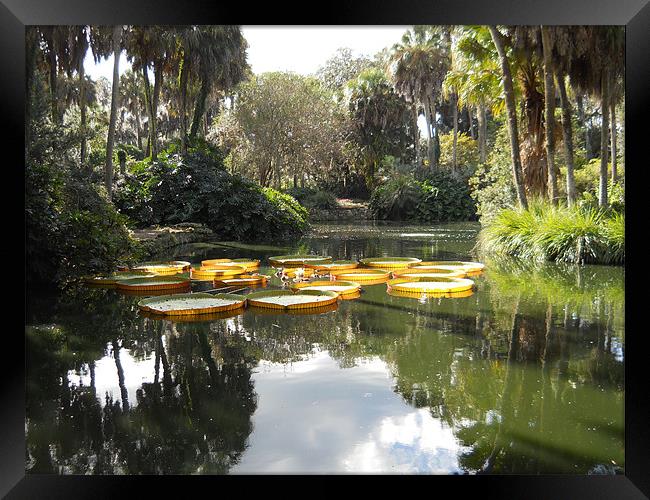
<point x="634" y="14"/>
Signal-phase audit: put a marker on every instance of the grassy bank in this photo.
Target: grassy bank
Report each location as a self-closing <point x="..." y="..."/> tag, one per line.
<point x="562" y="234"/>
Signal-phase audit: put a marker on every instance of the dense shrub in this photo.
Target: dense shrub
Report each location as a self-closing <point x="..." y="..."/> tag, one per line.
<point x="313" y="198"/>
<point x="466" y="150"/>
<point x="440" y="197"/>
<point x="197" y="188"/>
<point x="491" y="185"/>
<point x="545" y="232"/>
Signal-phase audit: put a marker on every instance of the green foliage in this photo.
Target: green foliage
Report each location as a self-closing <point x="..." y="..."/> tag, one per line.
<point x="491" y="184"/>
<point x="466" y="150"/>
<point x="197" y="188"/>
<point x="441" y="197"/>
<point x="314" y="198"/>
<point x="545" y="232"/>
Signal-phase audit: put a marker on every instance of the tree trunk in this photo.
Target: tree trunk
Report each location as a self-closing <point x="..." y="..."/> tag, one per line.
<point x="604" y="136"/>
<point x="454" y="152"/>
<point x="429" y="111"/>
<point x="183" y="91"/>
<point x="512" y="118"/>
<point x="108" y="171"/>
<point x="199" y="109"/>
<point x="138" y="131"/>
<point x="158" y="75"/>
<point x="82" y="109"/>
<point x="613" y="134"/>
<point x="583" y="122"/>
<point x="149" y="108"/>
<point x="31" y="48"/>
<point x="416" y="135"/>
<point x="549" y="104"/>
<point x="472" y="132"/>
<point x="482" y="133"/>
<point x="567" y="135"/>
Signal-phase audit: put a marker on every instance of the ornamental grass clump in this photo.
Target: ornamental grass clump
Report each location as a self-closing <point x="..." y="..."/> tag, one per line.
<point x="556" y="233"/>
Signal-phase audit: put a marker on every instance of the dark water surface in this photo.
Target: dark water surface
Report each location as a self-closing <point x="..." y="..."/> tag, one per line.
<point x="524" y="376"/>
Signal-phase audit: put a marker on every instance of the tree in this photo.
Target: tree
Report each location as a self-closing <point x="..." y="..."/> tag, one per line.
<point x="419" y="65"/>
<point x="381" y="120"/>
<point x="342" y="67"/>
<point x="108" y="172"/>
<point x="549" y="103"/>
<point x="512" y="116"/>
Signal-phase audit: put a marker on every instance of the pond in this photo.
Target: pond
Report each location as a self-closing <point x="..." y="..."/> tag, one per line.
<point x="524" y="376"/>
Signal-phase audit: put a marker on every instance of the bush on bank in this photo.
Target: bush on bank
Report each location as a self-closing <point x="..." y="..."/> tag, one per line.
<point x="564" y="234"/>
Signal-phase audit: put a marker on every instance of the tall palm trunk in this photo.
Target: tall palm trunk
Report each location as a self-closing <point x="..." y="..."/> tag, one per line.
<point x="512" y="117"/>
<point x="82" y="108"/>
<point x="604" y="136"/>
<point x="429" y="110"/>
<point x="567" y="135"/>
<point x="199" y="109"/>
<point x="482" y="133"/>
<point x="149" y="109"/>
<point x="455" y="144"/>
<point x="613" y="134"/>
<point x="583" y="123"/>
<point x="138" y="126"/>
<point x="549" y="104"/>
<point x="416" y="135"/>
<point x="31" y="49"/>
<point x="183" y="91"/>
<point x="108" y="171"/>
<point x="158" y="80"/>
<point x="472" y="132"/>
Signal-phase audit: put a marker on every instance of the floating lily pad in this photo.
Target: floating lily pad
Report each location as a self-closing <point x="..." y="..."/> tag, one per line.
<point x="337" y="265"/>
<point x="298" y="312"/>
<point x="429" y="272"/>
<point x="430" y="285"/>
<point x="216" y="272"/>
<point x="286" y="299"/>
<point x="293" y="272"/>
<point x="390" y="262"/>
<point x="431" y="295"/>
<point x="153" y="283"/>
<point x="298" y="260"/>
<point x="340" y="287"/>
<point x="362" y="276"/>
<point x="193" y="318"/>
<point x="192" y="303"/>
<point x="162" y="268"/>
<point x="110" y="281"/>
<point x="244" y="280"/>
<point x="468" y="267"/>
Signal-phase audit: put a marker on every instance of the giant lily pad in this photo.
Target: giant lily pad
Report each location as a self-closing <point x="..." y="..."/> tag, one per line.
<point x="286" y="299"/>
<point x="390" y="262"/>
<point x="430" y="285"/>
<point x="298" y="260"/>
<point x="340" y="287"/>
<point x="154" y="283"/>
<point x="192" y="303"/>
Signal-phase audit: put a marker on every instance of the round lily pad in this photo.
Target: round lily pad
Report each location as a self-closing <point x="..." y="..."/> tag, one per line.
<point x="244" y="280"/>
<point x="390" y="262"/>
<point x="298" y="260"/>
<point x="110" y="281"/>
<point x="362" y="276"/>
<point x="153" y="283"/>
<point x="468" y="267"/>
<point x="215" y="272"/>
<point x="430" y="285"/>
<point x="434" y="295"/>
<point x="286" y="299"/>
<point x="337" y="265"/>
<point x="192" y="303"/>
<point x="163" y="268"/>
<point x="429" y="272"/>
<point x="248" y="264"/>
<point x="340" y="287"/>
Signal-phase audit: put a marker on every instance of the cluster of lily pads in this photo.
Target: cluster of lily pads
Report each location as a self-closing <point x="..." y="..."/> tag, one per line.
<point x="168" y="284"/>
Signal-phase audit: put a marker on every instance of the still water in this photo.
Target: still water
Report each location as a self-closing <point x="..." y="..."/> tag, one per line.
<point x="525" y="376"/>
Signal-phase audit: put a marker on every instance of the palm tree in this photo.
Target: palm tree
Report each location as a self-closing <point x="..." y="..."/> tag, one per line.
<point x="131" y="98"/>
<point x="116" y="39"/>
<point x="475" y="74"/>
<point x="512" y="116"/>
<point x="594" y="71"/>
<point x="549" y="112"/>
<point x="419" y="66"/>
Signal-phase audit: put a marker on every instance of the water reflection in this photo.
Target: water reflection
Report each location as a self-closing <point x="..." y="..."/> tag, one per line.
<point x="523" y="376"/>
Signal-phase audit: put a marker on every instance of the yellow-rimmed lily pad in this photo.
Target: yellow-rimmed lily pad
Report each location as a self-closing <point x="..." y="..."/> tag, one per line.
<point x="298" y="260"/>
<point x="192" y="303"/>
<point x="110" y="281"/>
<point x="337" y="265"/>
<point x="340" y="287"/>
<point x="468" y="267"/>
<point x="194" y="318"/>
<point x="244" y="280"/>
<point x="429" y="272"/>
<point x="248" y="264"/>
<point x="286" y="299"/>
<point x="216" y="272"/>
<point x="297" y="312"/>
<point x="390" y="262"/>
<point x="362" y="276"/>
<point x="162" y="268"/>
<point x="431" y="295"/>
<point x="430" y="285"/>
<point x="154" y="283"/>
